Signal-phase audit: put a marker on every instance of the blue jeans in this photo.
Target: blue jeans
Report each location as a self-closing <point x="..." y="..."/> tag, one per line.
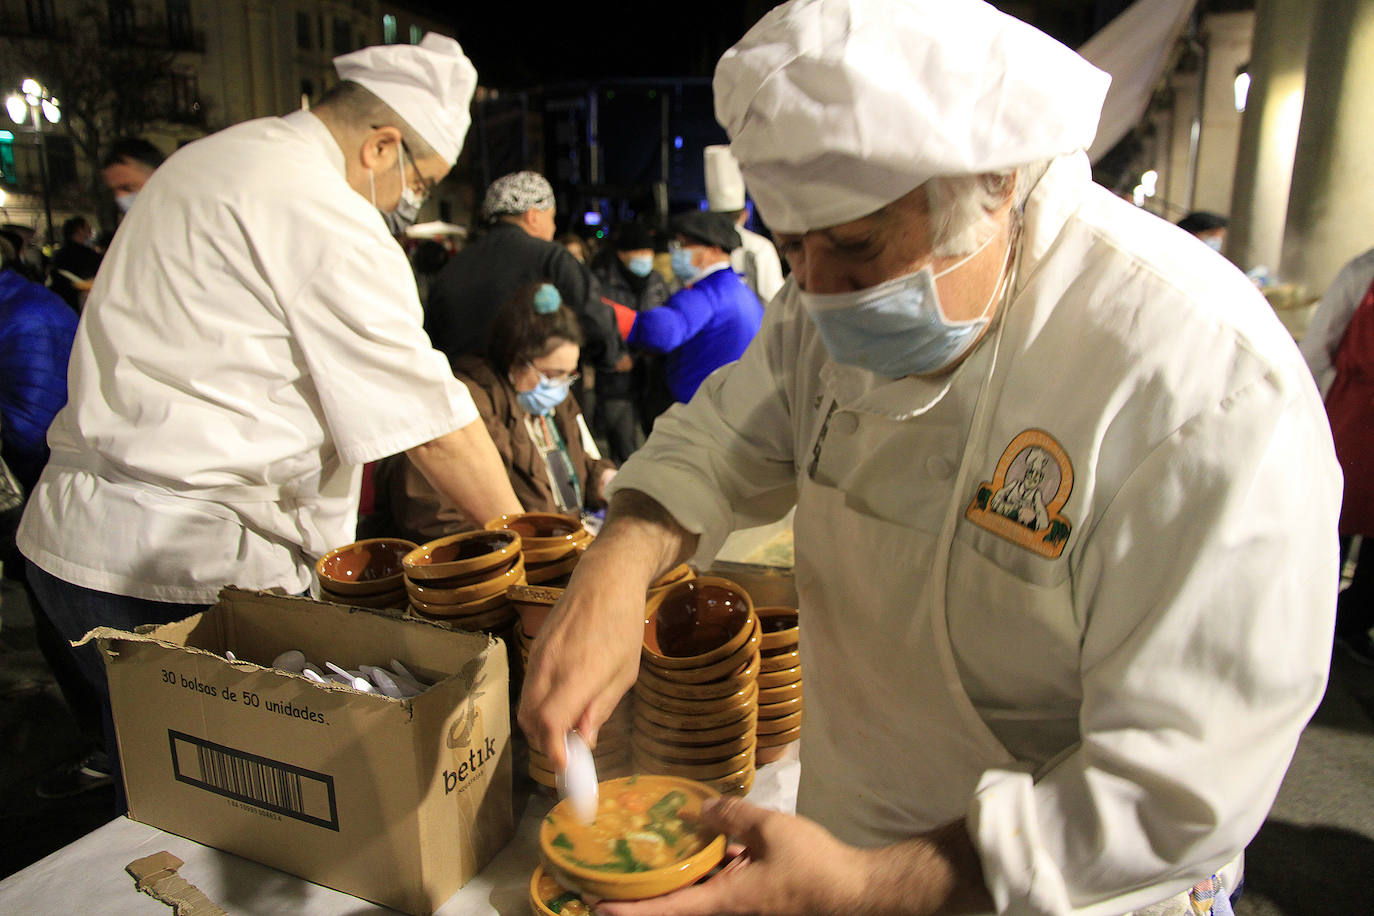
<point x="74" y="611"/>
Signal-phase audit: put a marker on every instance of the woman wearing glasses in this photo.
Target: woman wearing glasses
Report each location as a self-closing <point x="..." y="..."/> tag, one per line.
<point x="521" y="388"/>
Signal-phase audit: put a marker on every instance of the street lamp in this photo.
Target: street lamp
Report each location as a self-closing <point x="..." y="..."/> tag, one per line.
<point x="33" y="100"/>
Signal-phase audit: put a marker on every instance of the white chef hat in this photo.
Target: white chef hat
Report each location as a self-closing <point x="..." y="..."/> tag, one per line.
<point x="836" y="108"/>
<point x="724" y="182"/>
<point x="430" y="85"/>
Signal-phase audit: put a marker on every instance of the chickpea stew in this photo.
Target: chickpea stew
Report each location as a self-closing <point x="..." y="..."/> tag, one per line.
<point x="643" y="823"/>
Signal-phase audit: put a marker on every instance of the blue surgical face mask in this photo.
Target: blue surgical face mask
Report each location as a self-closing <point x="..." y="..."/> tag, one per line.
<point x="683" y="268"/>
<point x="641" y="265"/>
<point x="896" y="328"/>
<point x="125" y="201"/>
<point x="545" y="395"/>
<point x="1213" y="243"/>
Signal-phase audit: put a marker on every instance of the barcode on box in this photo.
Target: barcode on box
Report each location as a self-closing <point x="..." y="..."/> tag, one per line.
<point x="270" y="784"/>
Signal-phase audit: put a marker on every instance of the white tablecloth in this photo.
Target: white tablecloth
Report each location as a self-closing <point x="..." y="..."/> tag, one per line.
<point x="88" y="876"/>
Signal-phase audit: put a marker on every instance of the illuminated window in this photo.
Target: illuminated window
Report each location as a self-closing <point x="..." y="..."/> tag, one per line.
<point x="388" y="29"/>
<point x="415" y="35"/>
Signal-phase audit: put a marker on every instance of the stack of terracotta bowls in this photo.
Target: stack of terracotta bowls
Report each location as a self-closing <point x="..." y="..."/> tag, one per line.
<point x="365" y="574"/>
<point x="551" y="544"/>
<point x="780" y="682"/>
<point x="612" y="752"/>
<point x="461" y="580"/>
<point x="696" y="700"/>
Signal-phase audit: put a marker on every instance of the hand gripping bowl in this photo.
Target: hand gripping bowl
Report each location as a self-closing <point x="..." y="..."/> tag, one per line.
<point x="643" y="842"/>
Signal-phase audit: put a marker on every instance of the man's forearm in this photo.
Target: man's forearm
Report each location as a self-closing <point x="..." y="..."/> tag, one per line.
<point x="644" y="540"/>
<point x="935" y="873"/>
<point x="467" y="470"/>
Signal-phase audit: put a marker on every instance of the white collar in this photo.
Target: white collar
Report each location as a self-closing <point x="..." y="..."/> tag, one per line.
<point x="311" y="127"/>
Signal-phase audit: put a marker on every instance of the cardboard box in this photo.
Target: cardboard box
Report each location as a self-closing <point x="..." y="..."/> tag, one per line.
<point x="399" y="802"/>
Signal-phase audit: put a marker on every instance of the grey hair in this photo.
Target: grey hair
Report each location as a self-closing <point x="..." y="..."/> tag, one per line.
<point x="961" y="206"/>
<point x="356" y="107"/>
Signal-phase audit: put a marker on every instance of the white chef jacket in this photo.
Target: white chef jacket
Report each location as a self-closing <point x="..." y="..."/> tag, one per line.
<point x="1332" y="317"/>
<point x="253" y="337"/>
<point x="756" y="259"/>
<point x="1139" y="695"/>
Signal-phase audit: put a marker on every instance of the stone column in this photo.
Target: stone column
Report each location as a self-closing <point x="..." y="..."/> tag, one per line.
<point x="1269" y="132"/>
<point x="1331" y="203"/>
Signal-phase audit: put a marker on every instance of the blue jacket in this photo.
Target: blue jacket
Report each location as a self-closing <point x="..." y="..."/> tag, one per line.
<point x="700" y="328"/>
<point x="36" y="331"/>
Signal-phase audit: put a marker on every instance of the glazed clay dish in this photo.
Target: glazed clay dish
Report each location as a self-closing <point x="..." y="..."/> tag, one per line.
<point x="645" y="840"/>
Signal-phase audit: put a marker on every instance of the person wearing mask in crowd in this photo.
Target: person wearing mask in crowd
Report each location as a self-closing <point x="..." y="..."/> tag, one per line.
<point x="517" y="248"/>
<point x="626" y="272"/>
<point x="710" y="321"/>
<point x="1339" y="348"/>
<point x="75" y="263"/>
<point x="521" y="388"/>
<point x="756" y="259"/>
<point x="127" y="167"/>
<point x="26" y="256"/>
<point x="1065" y="496"/>
<point x="250" y="342"/>
<point x="36" y="331"/>
<point x="1207" y="226"/>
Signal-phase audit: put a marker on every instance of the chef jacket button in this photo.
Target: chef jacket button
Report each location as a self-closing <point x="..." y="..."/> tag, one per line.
<point x="939" y="468"/>
<point x="846" y="424"/>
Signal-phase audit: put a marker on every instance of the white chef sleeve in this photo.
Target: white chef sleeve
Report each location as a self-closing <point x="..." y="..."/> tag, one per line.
<point x="724" y="460"/>
<point x="1208" y="586"/>
<point x="382" y="386"/>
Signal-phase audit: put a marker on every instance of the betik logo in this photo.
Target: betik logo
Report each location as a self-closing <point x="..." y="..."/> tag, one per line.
<point x="477" y="758"/>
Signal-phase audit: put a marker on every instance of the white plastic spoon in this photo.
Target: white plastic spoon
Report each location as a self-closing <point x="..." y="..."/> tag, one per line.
<point x="577" y="780"/>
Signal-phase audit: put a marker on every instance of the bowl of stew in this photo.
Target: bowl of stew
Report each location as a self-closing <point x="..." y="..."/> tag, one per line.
<point x="645" y="840"/>
<point x="548" y="898"/>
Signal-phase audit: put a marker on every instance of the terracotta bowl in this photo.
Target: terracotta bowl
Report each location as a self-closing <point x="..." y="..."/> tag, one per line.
<point x="467" y="609"/>
<point x="779" y="678"/>
<point x="545" y="536"/>
<point x="533" y="603"/>
<point x="731" y="665"/>
<point x="767" y="755"/>
<point x="746" y="696"/>
<point x="389" y="599"/>
<point x="579" y="863"/>
<point x="709" y="690"/>
<point x="491" y="621"/>
<point x="780" y="627"/>
<point x="545" y="891"/>
<point x="548" y="572"/>
<point x="737" y="783"/>
<point x="646" y="762"/>
<point x="496" y="585"/>
<point x="710" y="736"/>
<point x="686" y="753"/>
<point x="778" y="710"/>
<point x="784" y="693"/>
<point x="462" y="554"/>
<point x="680" y="573"/>
<point x="645" y="710"/>
<point x="697" y="623"/>
<point x="780" y="738"/>
<point x="780" y="724"/>
<point x="436" y="591"/>
<point x="778" y="660"/>
<point x="364" y="567"/>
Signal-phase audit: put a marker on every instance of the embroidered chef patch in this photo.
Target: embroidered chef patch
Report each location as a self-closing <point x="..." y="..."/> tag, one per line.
<point x="1023" y="500"/>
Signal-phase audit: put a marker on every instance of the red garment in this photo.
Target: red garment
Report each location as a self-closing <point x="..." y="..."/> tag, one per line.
<point x="1350" y="408"/>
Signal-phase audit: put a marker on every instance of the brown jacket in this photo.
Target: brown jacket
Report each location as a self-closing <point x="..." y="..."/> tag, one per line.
<point x="418" y="513"/>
